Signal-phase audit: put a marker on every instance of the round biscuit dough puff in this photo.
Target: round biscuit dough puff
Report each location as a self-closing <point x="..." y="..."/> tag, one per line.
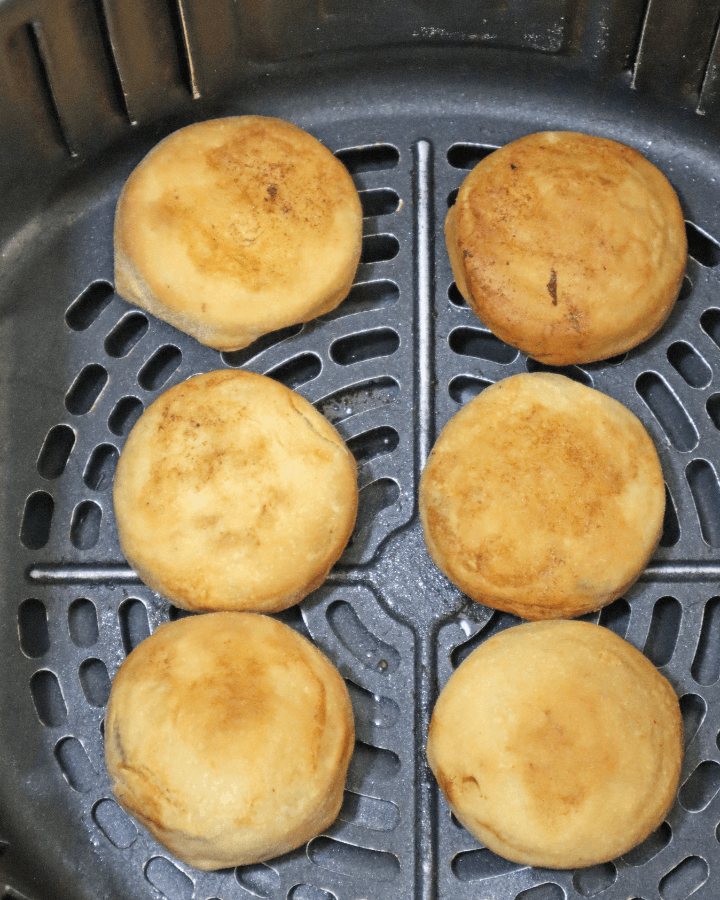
<point x="568" y="246"/>
<point x="557" y="744"/>
<point x="233" y="228"/>
<point x="542" y="497"/>
<point x="233" y="492"/>
<point x="228" y="736"/>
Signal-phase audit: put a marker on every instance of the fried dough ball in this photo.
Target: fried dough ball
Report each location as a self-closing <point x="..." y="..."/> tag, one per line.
<point x="568" y="246"/>
<point x="233" y="228"/>
<point x="557" y="744"/>
<point x="228" y="736"/>
<point x="233" y="492"/>
<point x="542" y="497"/>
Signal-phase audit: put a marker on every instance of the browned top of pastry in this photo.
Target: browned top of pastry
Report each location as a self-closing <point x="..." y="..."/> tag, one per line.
<point x="557" y="744"/>
<point x="234" y="492"/>
<point x="568" y="246"/>
<point x="542" y="497"/>
<point x="228" y="736"/>
<point x="235" y="227"/>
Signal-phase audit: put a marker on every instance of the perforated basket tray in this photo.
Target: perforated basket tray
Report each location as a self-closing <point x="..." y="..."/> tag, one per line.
<point x="410" y="96"/>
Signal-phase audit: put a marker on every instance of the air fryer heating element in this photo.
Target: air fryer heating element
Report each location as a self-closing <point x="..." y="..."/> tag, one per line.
<point x="389" y="367"/>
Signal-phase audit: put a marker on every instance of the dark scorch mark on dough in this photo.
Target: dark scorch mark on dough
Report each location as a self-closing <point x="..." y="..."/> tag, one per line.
<point x="552" y="286"/>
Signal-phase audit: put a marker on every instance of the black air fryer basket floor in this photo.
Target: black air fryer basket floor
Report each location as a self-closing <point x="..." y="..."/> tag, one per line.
<point x="410" y="96"/>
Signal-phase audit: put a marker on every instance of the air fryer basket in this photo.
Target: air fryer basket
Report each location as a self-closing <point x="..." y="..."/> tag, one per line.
<point x="409" y="94"/>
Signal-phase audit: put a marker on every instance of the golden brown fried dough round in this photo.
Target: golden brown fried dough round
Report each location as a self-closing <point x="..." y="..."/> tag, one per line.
<point x="233" y="492"/>
<point x="557" y="744"/>
<point x="570" y="247"/>
<point x="542" y="497"/>
<point x="229" y="736"/>
<point x="232" y="228"/>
